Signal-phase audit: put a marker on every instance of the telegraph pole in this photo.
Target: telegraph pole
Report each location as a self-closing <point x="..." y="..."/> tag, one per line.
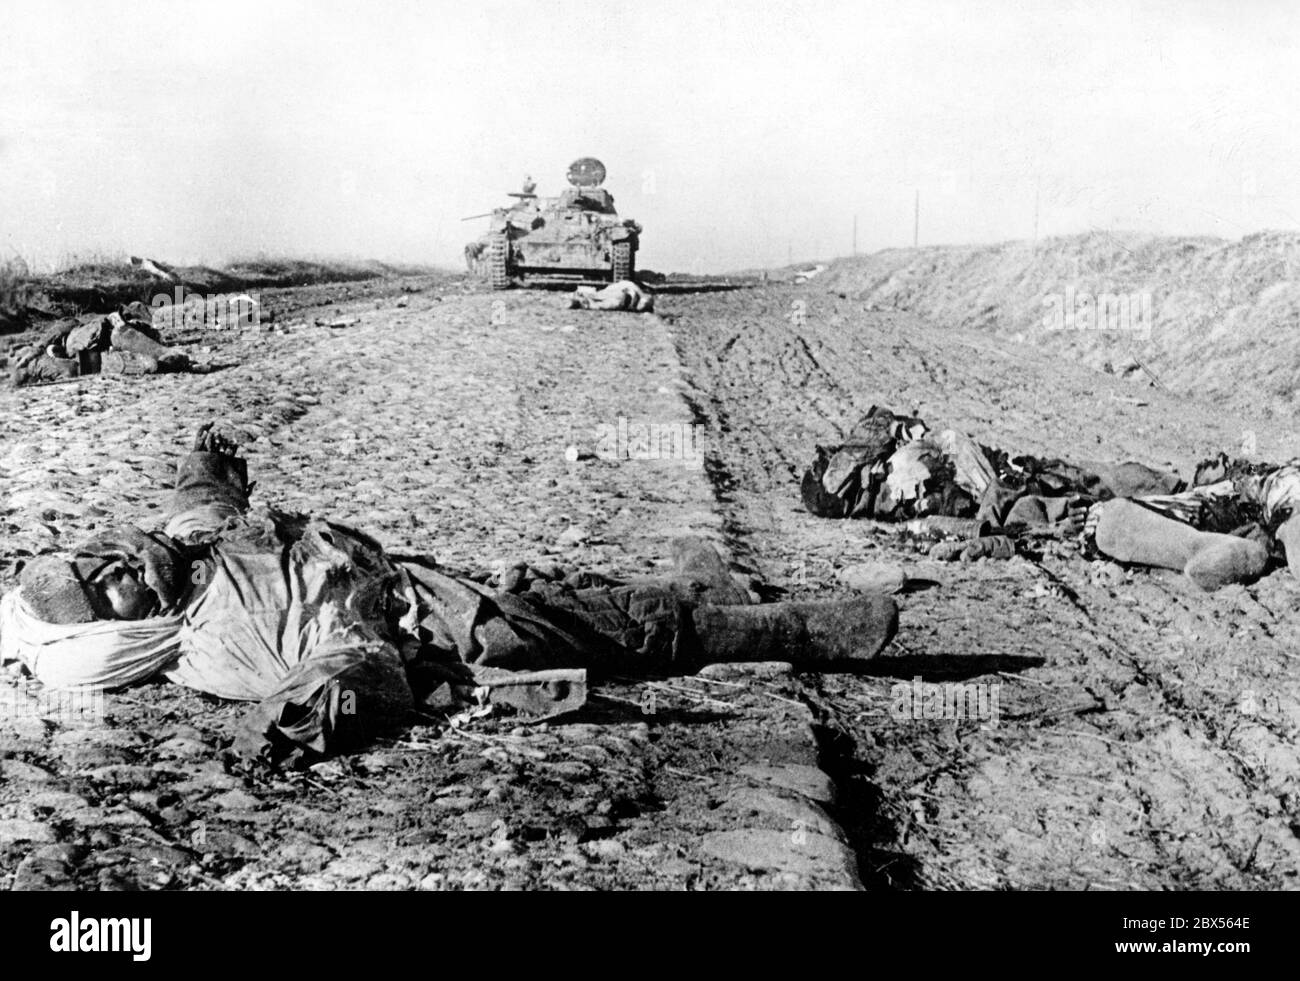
<point x="916" y="220"/>
<point x="855" y="234"/>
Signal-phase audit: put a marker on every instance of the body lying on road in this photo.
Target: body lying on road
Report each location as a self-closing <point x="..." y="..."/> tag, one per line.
<point x="337" y="639"/>
<point x="623" y="295"/>
<point x="123" y="343"/>
<point x="1222" y="527"/>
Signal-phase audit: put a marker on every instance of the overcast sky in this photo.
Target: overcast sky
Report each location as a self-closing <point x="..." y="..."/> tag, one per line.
<point x="738" y="133"/>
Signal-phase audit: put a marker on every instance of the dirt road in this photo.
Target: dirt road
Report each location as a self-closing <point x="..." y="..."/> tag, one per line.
<point x="437" y="421"/>
<point x="1146" y="735"/>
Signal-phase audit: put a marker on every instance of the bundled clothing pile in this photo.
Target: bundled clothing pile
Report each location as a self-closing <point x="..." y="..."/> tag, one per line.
<point x="122" y="343"/>
<point x="890" y="468"/>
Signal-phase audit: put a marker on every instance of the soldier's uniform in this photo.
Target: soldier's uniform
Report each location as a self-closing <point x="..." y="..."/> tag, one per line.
<point x="123" y="343"/>
<point x="301" y="615"/>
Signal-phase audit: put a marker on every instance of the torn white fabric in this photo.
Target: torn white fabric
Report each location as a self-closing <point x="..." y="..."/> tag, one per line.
<point x="102" y="654"/>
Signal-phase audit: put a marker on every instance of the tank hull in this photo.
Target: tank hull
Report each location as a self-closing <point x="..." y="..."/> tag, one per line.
<point x="576" y="237"/>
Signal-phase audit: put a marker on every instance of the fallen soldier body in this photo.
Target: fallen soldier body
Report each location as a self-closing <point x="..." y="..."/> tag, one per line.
<point x="889" y="468"/>
<point x="1236" y="519"/>
<point x="623" y="295"/>
<point x="337" y="639"/>
<point x="1223" y="528"/>
<point x="123" y="343"/>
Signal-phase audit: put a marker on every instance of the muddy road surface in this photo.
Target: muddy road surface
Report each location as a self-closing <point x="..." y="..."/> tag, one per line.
<point x="1145" y="735"/>
<point x="437" y="419"/>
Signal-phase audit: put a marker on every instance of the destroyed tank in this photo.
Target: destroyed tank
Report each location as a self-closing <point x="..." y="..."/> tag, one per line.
<point x="576" y="237"/>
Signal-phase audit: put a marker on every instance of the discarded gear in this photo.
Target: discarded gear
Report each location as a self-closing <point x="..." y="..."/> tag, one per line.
<point x="534" y="695"/>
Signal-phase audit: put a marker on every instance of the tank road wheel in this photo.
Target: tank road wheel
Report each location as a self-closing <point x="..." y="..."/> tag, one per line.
<point x="498" y="251"/>
<point x="624" y="261"/>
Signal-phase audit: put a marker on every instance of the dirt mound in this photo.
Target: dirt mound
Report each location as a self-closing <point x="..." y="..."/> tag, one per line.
<point x="1200" y="315"/>
<point x="101" y="284"/>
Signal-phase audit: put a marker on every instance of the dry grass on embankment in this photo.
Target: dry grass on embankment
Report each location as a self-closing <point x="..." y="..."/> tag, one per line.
<point x="1224" y="315"/>
<point x="98" y="284"/>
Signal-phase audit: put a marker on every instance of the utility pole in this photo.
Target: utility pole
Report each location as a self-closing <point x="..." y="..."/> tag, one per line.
<point x="855" y="234"/>
<point x="916" y="220"/>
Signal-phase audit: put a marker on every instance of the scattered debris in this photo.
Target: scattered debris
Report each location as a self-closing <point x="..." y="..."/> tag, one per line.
<point x="1127" y="399"/>
<point x="873" y="577"/>
<point x="803" y="275"/>
<point x="154" y="268"/>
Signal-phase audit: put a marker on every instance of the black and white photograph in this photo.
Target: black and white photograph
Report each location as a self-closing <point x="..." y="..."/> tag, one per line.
<point x="650" y="446"/>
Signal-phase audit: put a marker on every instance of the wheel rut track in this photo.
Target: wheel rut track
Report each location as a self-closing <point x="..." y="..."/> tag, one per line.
<point x="1157" y="714"/>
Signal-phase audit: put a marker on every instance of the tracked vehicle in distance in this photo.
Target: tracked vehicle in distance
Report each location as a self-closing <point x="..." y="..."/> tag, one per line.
<point x="577" y="237"/>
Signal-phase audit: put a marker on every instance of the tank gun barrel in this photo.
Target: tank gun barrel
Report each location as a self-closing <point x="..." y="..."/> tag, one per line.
<point x="486" y="214"/>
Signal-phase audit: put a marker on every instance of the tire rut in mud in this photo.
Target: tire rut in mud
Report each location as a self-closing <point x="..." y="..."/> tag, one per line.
<point x="1125" y="756"/>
